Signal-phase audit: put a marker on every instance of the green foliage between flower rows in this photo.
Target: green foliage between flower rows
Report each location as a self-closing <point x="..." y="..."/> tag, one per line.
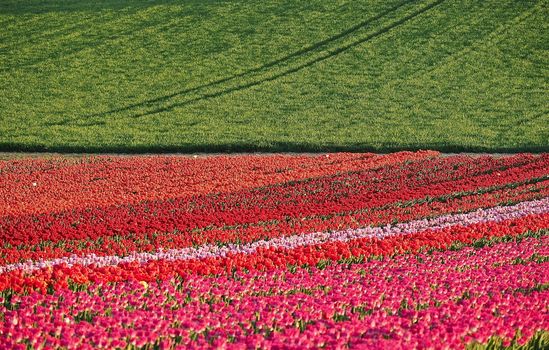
<point x="168" y="75"/>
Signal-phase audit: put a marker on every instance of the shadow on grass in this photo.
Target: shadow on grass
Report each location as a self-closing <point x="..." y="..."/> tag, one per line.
<point x="274" y="147"/>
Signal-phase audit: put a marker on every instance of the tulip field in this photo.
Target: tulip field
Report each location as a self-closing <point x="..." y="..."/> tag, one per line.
<point x="344" y="250"/>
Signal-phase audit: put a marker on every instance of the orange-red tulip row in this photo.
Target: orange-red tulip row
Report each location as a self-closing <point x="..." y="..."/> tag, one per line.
<point x="57" y="184"/>
<point x="319" y="196"/>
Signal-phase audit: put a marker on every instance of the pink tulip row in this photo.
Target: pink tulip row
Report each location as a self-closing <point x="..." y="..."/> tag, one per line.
<point x="438" y="300"/>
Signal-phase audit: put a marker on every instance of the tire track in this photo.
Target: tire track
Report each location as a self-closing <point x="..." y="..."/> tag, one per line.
<point x="274" y="63"/>
<point x="480" y="43"/>
<point x="330" y="54"/>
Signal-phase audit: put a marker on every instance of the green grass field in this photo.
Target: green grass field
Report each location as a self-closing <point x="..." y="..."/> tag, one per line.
<point x="382" y="75"/>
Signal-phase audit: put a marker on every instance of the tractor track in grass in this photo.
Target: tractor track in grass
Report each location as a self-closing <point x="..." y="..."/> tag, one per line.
<point x="261" y="68"/>
<point x="486" y="40"/>
<point x="461" y="77"/>
<point x="288" y="71"/>
<point x="285" y="66"/>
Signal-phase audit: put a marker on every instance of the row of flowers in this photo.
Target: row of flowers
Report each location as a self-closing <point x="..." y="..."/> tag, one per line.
<point x="493" y="215"/>
<point x="34" y="186"/>
<point x="343" y="250"/>
<point x="263" y="255"/>
<point x="125" y="244"/>
<point x="318" y="197"/>
<point x="437" y="300"/>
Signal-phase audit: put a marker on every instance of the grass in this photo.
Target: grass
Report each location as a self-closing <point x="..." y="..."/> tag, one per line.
<point x="217" y="76"/>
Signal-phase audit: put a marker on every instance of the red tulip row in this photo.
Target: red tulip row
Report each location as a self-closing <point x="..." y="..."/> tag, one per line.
<point x="33" y="186"/>
<point x="60" y="276"/>
<point x="124" y="244"/>
<point x="320" y="196"/>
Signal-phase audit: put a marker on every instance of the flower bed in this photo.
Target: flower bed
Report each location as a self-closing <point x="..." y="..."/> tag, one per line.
<point x="342" y="250"/>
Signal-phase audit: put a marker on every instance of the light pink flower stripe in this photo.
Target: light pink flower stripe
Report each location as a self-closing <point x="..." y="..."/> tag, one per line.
<point x="496" y="214"/>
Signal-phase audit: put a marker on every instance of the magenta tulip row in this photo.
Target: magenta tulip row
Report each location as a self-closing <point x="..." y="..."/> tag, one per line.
<point x="437" y="300"/>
